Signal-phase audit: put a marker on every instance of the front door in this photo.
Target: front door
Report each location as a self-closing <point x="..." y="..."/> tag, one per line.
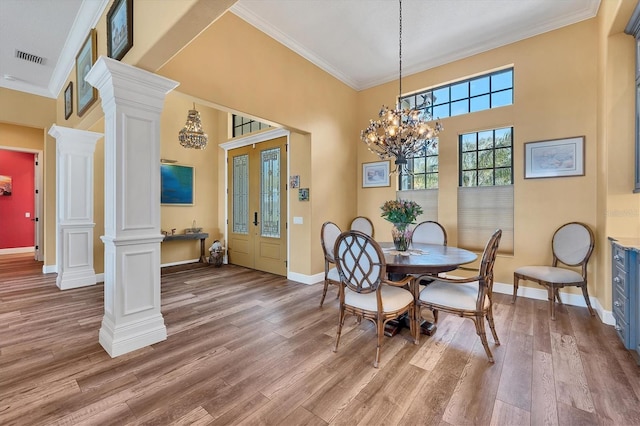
<point x="257" y="227"/>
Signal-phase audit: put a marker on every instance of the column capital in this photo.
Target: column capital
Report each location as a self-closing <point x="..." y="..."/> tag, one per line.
<point x="123" y="83"/>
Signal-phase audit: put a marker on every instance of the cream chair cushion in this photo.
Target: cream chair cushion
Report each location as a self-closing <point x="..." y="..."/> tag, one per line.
<point x="457" y="296"/>
<point x="393" y="298"/>
<point x="550" y="274"/>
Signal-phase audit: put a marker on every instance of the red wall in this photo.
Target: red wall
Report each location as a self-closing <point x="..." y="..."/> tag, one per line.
<point x="16" y="230"/>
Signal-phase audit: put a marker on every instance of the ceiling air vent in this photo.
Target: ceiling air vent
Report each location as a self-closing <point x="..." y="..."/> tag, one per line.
<point x="29" y="57"/>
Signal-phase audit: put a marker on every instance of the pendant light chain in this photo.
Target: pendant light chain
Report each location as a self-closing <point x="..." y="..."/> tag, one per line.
<point x="400" y="55"/>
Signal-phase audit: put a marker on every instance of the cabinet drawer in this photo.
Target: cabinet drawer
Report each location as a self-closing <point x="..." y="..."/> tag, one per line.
<point x="619" y="256"/>
<point x="620" y="280"/>
<point x="623" y="331"/>
<point x="620" y="305"/>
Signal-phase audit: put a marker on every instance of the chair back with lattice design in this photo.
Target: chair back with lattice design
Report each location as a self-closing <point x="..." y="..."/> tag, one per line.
<point x="429" y="232"/>
<point x="362" y="224"/>
<point x="572" y="244"/>
<point x="360" y="261"/>
<point x="328" y="235"/>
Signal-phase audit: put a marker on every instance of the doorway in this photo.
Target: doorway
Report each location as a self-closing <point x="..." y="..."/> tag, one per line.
<point x="257" y="206"/>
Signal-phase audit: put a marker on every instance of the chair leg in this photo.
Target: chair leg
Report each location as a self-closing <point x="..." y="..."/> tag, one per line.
<point x="551" y="295"/>
<point x="417" y="318"/>
<point x="557" y="293"/>
<point x="492" y="326"/>
<point x="435" y="315"/>
<point x="380" y="333"/>
<point x="479" y="321"/>
<point x="516" y="280"/>
<point x="324" y="292"/>
<point x="340" y="323"/>
<point x="585" y="293"/>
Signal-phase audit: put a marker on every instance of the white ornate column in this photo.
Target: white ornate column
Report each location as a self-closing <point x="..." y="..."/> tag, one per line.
<point x="74" y="201"/>
<point x="132" y="100"/>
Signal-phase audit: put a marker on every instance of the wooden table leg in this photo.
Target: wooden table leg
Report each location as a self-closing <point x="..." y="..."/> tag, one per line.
<point x="203" y="259"/>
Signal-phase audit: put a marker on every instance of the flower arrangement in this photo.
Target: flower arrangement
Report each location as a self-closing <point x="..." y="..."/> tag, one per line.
<point x="401" y="211"/>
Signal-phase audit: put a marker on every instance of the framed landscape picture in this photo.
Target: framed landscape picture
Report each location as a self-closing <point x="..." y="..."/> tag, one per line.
<point x="554" y="158"/>
<point x="119" y="29"/>
<point x="68" y="100"/>
<point x="375" y="174"/>
<point x="86" y="93"/>
<point x="176" y="184"/>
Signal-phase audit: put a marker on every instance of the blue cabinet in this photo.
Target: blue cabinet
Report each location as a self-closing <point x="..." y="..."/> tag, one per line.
<point x="625" y="275"/>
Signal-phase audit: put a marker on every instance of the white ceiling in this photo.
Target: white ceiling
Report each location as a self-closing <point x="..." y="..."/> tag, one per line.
<point x="354" y="40"/>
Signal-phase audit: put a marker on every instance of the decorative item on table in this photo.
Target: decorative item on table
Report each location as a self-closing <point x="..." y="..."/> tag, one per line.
<point x="194" y="229"/>
<point x="216" y="254"/>
<point x="401" y="213"/>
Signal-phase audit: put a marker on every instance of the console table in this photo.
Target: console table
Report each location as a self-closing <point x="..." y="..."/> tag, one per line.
<point x="194" y="236"/>
<point x="625" y="276"/>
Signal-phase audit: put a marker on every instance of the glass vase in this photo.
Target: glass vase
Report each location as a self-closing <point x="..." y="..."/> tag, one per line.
<point x="401" y="236"/>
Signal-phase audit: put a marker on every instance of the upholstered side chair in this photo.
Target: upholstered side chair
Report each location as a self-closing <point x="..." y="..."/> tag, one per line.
<point x="364" y="290"/>
<point x="571" y="245"/>
<point x="328" y="235"/>
<point x="466" y="297"/>
<point x="362" y="224"/>
<point x="429" y="232"/>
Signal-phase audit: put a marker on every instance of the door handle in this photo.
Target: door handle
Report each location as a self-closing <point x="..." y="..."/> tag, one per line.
<point x="255" y="218"/>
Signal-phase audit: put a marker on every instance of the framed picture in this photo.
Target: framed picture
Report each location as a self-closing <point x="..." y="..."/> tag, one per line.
<point x="375" y="174"/>
<point x="303" y="194"/>
<point x="86" y="94"/>
<point x="119" y="29"/>
<point x="68" y="100"/>
<point x="5" y="185"/>
<point x="176" y="184"/>
<point x="554" y="158"/>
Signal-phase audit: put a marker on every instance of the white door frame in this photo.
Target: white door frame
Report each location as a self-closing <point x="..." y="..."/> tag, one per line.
<point x="252" y="140"/>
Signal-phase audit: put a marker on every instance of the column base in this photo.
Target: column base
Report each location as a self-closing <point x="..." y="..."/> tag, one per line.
<point x="132" y="336"/>
<point x="75" y="279"/>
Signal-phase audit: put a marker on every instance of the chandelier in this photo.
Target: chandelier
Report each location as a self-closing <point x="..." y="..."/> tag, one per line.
<point x="191" y="135"/>
<point x="401" y="133"/>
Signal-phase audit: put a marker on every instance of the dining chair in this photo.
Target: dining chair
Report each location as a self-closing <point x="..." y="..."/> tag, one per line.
<point x="362" y="224"/>
<point x="571" y="245"/>
<point x="429" y="232"/>
<point x="466" y="297"/>
<point x="364" y="290"/>
<point x="328" y="235"/>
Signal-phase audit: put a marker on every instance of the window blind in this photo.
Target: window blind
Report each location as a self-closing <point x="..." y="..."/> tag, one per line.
<point x="482" y="210"/>
<point x="426" y="198"/>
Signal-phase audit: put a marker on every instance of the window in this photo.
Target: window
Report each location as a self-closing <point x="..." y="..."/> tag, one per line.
<point x="486" y="158"/>
<point x="243" y="126"/>
<point x="633" y="28"/>
<point x="485" y="194"/>
<point x="425" y="170"/>
<point x="463" y="97"/>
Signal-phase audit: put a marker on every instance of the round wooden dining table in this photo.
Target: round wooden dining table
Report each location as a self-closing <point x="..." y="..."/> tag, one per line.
<point x="425" y="258"/>
<point x="422" y="259"/>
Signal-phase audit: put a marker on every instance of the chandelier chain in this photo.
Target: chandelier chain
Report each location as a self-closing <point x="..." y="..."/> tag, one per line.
<point x="400" y="53"/>
<point x="402" y="133"/>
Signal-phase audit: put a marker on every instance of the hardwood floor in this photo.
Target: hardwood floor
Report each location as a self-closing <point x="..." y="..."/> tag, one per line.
<point x="246" y="347"/>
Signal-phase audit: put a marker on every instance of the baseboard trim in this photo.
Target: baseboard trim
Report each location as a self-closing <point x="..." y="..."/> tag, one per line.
<point x="49" y="269"/>
<point x="18" y="250"/>
<point x="181" y="262"/>
<point x="528" y="292"/>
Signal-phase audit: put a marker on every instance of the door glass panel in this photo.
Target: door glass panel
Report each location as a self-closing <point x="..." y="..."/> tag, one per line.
<point x="270" y="193"/>
<point x="241" y="194"/>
